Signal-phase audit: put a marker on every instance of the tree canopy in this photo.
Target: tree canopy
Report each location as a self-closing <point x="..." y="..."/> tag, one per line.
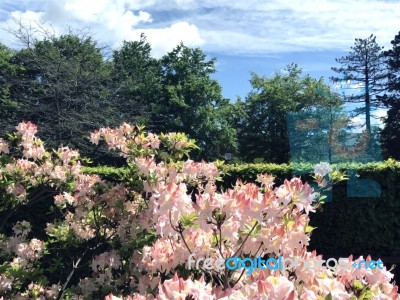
<point x="391" y="131"/>
<point x="136" y="86"/>
<point x="364" y="69"/>
<point x="193" y="102"/>
<point x="70" y="85"/>
<point x="263" y="133"/>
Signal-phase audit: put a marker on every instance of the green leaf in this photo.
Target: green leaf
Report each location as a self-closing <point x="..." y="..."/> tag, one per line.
<point x="358" y="285"/>
<point x="366" y="295"/>
<point x="248" y="228"/>
<point x="189" y="220"/>
<point x="329" y="297"/>
<point x="290" y="223"/>
<point x="309" y="229"/>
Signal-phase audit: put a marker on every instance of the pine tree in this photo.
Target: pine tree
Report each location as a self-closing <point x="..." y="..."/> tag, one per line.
<point x="364" y="68"/>
<point x="391" y="132"/>
<point x="392" y="59"/>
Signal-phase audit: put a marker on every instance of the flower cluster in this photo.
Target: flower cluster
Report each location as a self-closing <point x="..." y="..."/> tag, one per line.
<point x="26" y="251"/>
<point x="133" y="239"/>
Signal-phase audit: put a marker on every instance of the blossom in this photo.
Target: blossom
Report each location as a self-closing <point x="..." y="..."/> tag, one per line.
<point x="22" y="228"/>
<point x="28" y="130"/>
<point x="163" y="255"/>
<point x="4" y="147"/>
<point x="64" y="198"/>
<point x="266" y="180"/>
<point x="17" y="190"/>
<point x="180" y="289"/>
<point x="66" y="154"/>
<point x="322" y="168"/>
<point x="180" y="202"/>
<point x="153" y="141"/>
<point x="5" y="283"/>
<point x="34" y="151"/>
<point x="105" y="260"/>
<point x="271" y="287"/>
<point x="95" y="137"/>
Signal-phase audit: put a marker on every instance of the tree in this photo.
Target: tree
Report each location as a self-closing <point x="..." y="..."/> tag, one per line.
<point x="192" y="102"/>
<point x="8" y="106"/>
<point x="136" y="83"/>
<point x="364" y="68"/>
<point x="390" y="134"/>
<point x="63" y="86"/>
<point x="264" y="133"/>
<point x="391" y="131"/>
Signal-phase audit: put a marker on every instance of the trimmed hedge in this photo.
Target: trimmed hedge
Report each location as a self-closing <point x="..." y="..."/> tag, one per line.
<point x="347" y="225"/>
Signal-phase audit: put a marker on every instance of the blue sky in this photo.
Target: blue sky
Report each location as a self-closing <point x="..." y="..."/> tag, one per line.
<point x="244" y="36"/>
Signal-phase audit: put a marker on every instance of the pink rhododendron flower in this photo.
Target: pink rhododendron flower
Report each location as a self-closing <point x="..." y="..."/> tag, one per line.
<point x="266" y="180"/>
<point x="4" y="147"/>
<point x="176" y="206"/>
<point x="95" y="137"/>
<point x="5" y="283"/>
<point x="28" y="130"/>
<point x="322" y="169"/>
<point x="179" y="289"/>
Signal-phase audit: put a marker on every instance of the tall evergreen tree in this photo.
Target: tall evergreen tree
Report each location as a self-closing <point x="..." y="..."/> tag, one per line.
<point x="62" y="86"/>
<point x="391" y="131"/>
<point x="192" y="102"/>
<point x="8" y="105"/>
<point x="137" y="83"/>
<point x="364" y="68"/>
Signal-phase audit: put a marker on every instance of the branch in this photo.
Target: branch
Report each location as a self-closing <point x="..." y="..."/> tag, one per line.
<point x="247" y="236"/>
<point x="74" y="267"/>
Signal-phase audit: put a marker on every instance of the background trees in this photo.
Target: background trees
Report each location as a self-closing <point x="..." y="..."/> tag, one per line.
<point x="8" y="106"/>
<point x="391" y="131"/>
<point x="69" y="85"/>
<point x="365" y="69"/>
<point x="263" y="133"/>
<point x="63" y="86"/>
<point x="136" y="86"/>
<point x="192" y="102"/>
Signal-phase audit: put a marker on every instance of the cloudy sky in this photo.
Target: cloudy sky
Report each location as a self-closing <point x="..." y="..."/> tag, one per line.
<point x="244" y="36"/>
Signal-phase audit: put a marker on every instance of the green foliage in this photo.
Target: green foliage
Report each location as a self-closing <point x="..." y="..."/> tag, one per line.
<point x="8" y="105"/>
<point x="263" y="133"/>
<point x="363" y="66"/>
<point x="62" y="86"/>
<point x="137" y="83"/>
<point x="192" y="102"/>
<point x="361" y="225"/>
<point x="106" y="172"/>
<point x="391" y="132"/>
<point x="188" y="220"/>
<point x="361" y="291"/>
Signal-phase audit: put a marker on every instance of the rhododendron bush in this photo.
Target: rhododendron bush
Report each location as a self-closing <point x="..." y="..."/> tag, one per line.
<point x="132" y="240"/>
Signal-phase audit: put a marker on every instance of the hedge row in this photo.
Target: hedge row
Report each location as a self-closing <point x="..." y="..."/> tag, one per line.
<point x="347" y="225"/>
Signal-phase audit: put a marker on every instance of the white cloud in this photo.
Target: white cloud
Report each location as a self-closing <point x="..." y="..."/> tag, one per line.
<point x="249" y="27"/>
<point x="111" y="21"/>
<point x="31" y="19"/>
<point x="291" y="26"/>
<point x="357" y="121"/>
<point x="376" y="119"/>
<point x="167" y="38"/>
<point x="381" y="113"/>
